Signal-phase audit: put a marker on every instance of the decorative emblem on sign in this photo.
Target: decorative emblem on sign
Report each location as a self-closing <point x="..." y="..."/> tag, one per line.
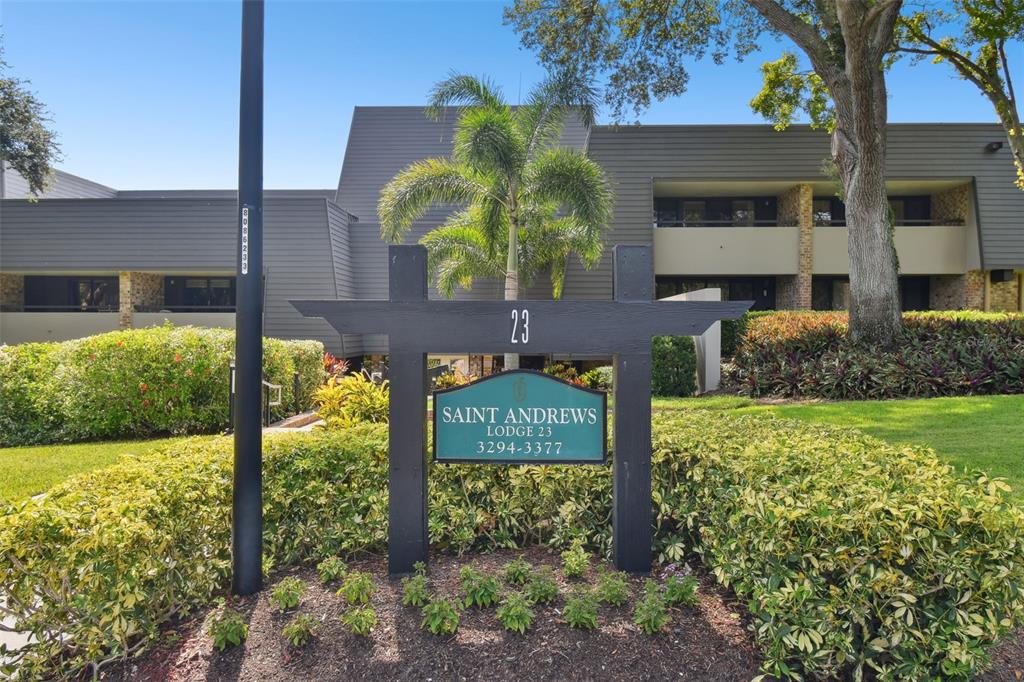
<point x="519" y="390"/>
<point x="520" y="417"/>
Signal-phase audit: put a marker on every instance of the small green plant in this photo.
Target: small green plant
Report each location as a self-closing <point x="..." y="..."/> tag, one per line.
<point x="440" y="617"/>
<point x="288" y="593"/>
<point x="331" y="569"/>
<point x="581" y="610"/>
<point x="575" y="561"/>
<point x="541" y="587"/>
<point x="300" y="630"/>
<point x="360" y="621"/>
<point x="517" y="571"/>
<point x="420" y="568"/>
<point x="481" y="590"/>
<point x="414" y="590"/>
<point x="357" y="587"/>
<point x="650" y="612"/>
<point x="612" y="588"/>
<point x="515" y="613"/>
<point x="225" y="626"/>
<point x="681" y="590"/>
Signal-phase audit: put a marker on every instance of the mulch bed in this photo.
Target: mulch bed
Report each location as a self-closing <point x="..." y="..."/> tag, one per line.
<point x="707" y="642"/>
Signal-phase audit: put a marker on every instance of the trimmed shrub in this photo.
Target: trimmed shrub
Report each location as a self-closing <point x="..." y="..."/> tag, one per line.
<point x="808" y="354"/>
<point x="856" y="557"/>
<point x="673" y="365"/>
<point x="853" y="555"/>
<point x="137" y="383"/>
<point x="27" y="399"/>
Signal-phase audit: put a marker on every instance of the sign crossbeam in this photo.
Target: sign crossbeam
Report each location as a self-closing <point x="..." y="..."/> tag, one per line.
<point x="621" y="328"/>
<point x="554" y="326"/>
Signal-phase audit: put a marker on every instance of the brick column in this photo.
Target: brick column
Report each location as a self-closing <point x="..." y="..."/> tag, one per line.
<point x="796" y="207"/>
<point x="12" y="292"/>
<point x="138" y="289"/>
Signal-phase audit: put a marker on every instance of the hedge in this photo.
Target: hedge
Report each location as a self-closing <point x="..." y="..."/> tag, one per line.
<point x="673" y="366"/>
<point x="135" y="383"/>
<point x="854" y="556"/>
<point x="809" y="354"/>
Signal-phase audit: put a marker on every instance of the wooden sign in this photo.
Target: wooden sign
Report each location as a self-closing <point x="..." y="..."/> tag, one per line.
<point x="520" y="417"/>
<point x="621" y="328"/>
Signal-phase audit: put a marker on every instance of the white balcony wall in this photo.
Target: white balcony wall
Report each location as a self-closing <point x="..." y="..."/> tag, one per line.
<point x="922" y="250"/>
<point x="726" y="250"/>
<point x="41" y="326"/>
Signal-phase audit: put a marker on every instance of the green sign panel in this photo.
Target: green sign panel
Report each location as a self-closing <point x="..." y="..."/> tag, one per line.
<point x="520" y="417"/>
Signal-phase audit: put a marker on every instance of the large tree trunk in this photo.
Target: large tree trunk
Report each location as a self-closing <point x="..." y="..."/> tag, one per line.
<point x="512" y="279"/>
<point x="858" y="150"/>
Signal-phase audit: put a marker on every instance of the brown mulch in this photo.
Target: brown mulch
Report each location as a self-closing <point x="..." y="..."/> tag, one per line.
<point x="706" y="642"/>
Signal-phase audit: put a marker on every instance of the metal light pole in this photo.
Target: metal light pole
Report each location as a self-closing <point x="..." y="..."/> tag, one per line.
<point x="247" y="501"/>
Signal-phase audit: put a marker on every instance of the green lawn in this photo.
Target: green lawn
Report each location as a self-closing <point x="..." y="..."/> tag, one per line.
<point x="30" y="470"/>
<point x="978" y="432"/>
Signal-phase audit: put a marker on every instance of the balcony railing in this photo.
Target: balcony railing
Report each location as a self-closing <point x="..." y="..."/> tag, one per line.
<point x="905" y="222"/>
<point x="720" y="223"/>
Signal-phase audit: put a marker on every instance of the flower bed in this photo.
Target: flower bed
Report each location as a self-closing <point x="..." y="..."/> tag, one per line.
<point x="136" y="383"/>
<point x="808" y="354"/>
<point x="852" y="554"/>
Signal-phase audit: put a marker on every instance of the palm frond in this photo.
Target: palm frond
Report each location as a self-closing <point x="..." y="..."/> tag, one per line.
<point x="462" y="90"/>
<point x="571" y="180"/>
<point x="560" y="95"/>
<point x="489" y="141"/>
<point x="421" y="185"/>
<point x="457" y="254"/>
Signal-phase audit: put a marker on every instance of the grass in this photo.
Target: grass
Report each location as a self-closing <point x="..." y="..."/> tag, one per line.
<point x="972" y="433"/>
<point x="30" y="470"/>
<point x="978" y="432"/>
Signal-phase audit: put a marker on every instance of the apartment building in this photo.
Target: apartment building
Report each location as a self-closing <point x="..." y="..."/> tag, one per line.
<point x="742" y="207"/>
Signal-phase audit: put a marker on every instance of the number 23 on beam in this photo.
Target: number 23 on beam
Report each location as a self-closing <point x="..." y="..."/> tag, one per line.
<point x="520" y="326"/>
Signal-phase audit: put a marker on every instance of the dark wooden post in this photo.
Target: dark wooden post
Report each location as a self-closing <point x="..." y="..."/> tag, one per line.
<point x="247" y="501"/>
<point x="633" y="280"/>
<point x="407" y="467"/>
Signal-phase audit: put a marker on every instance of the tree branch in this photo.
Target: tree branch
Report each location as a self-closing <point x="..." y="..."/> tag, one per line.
<point x="800" y="32"/>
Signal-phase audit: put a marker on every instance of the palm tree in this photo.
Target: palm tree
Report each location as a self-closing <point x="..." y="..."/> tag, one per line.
<point x="527" y="204"/>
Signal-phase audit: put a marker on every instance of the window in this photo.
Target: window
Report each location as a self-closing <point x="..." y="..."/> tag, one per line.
<point x="199" y="294"/>
<point x="829" y="211"/>
<point x="760" y="290"/>
<point x="907" y="211"/>
<point x="715" y="212"/>
<point x="45" y="293"/>
<point x="911" y="210"/>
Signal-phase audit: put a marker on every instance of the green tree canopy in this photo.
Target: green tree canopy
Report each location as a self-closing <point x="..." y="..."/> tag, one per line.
<point x="972" y="36"/>
<point x="26" y="143"/>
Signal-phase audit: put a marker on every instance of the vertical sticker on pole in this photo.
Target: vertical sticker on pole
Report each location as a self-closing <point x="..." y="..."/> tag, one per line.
<point x="244" y="266"/>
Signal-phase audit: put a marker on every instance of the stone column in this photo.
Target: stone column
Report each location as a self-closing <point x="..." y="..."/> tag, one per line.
<point x="796" y="207"/>
<point x="951" y="206"/>
<point x="12" y="292"/>
<point x="138" y="290"/>
<point x="1005" y="296"/>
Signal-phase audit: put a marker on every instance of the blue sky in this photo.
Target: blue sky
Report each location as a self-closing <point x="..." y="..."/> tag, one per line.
<point x="144" y="94"/>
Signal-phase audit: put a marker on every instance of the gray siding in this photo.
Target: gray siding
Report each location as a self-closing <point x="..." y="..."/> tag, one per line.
<point x="339" y="224"/>
<point x="62" y="186"/>
<point x="382" y="141"/>
<point x="634" y="155"/>
<point x="180" y="235"/>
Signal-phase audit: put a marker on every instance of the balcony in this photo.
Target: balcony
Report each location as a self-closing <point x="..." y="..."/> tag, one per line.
<point x="768" y="250"/>
<point x="44" y="325"/>
<point x="195" y="318"/>
<point x="922" y="249"/>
